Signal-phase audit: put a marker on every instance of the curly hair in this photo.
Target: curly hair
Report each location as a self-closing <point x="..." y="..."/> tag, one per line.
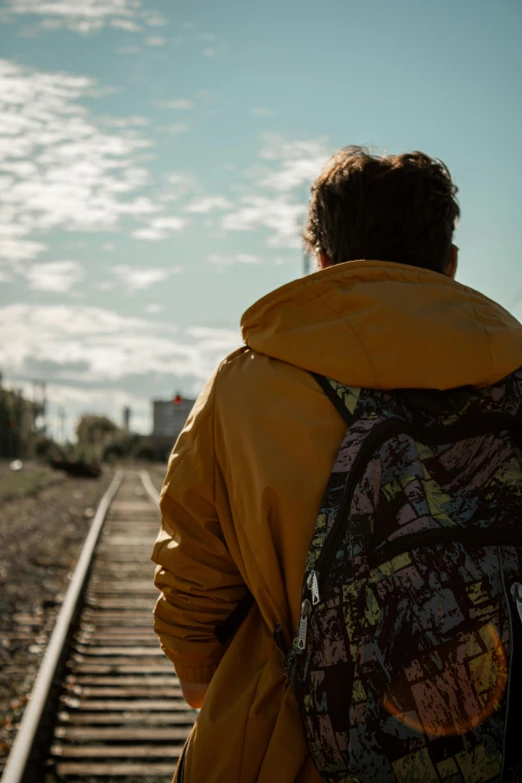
<point x="400" y="208"/>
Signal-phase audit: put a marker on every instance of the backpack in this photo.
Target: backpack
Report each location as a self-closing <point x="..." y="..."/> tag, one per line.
<point x="407" y="662"/>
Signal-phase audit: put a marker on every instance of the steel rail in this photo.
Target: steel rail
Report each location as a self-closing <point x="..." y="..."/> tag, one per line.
<point x="20" y="756"/>
<point x="150" y="489"/>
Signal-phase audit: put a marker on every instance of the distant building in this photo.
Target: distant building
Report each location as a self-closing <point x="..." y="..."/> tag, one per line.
<point x="169" y="418"/>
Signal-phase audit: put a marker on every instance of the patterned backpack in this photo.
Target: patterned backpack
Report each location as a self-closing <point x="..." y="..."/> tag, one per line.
<point x="407" y="662"/>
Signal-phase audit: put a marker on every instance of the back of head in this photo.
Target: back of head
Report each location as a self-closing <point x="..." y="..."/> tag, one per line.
<point x="399" y="208"/>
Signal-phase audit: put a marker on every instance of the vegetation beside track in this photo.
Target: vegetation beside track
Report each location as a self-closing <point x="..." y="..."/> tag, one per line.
<point x="15" y="485"/>
<point x="41" y="536"/>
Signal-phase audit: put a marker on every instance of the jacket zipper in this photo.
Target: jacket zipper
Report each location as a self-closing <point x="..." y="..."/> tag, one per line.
<point x="430" y="435"/>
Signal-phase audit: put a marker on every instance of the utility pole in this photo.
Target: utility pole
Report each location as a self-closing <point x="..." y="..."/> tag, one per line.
<point x="40" y="405"/>
<point x="43" y="387"/>
<point x="62" y="417"/>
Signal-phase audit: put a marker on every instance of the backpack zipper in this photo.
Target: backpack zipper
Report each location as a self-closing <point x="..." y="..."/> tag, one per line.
<point x="438" y="434"/>
<point x="313" y="585"/>
<point x="306" y="610"/>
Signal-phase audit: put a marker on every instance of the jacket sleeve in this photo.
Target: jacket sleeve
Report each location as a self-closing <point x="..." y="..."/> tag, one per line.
<point x="199" y="582"/>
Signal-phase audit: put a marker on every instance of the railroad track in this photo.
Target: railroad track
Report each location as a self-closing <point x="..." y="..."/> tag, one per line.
<point x="106" y="705"/>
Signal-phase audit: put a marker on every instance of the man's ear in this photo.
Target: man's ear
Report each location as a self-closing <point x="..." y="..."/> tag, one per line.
<point x="451" y="267"/>
<point x="323" y="258"/>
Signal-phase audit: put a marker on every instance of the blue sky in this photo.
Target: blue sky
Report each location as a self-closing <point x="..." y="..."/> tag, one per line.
<point x="157" y="156"/>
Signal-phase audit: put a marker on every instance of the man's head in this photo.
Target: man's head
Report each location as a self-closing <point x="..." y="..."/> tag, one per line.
<point x="399" y="208"/>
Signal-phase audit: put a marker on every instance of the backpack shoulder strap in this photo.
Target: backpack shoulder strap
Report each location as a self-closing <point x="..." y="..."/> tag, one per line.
<point x="228" y="628"/>
<point x="337" y="401"/>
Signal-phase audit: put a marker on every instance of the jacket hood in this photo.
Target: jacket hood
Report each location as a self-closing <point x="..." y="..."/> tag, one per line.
<point x="385" y="325"/>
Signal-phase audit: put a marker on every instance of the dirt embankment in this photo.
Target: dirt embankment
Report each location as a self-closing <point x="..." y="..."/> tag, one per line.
<point x="40" y="540"/>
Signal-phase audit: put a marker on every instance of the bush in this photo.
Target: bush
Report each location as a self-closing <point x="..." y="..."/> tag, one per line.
<point x="47" y="448"/>
<point x="145" y="453"/>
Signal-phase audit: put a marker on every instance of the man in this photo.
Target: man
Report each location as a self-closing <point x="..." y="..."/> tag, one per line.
<point x="248" y="472"/>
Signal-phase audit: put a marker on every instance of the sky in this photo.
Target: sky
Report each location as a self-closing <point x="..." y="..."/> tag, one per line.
<point x="156" y="159"/>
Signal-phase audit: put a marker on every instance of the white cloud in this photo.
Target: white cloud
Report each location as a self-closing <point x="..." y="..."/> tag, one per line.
<point x="182" y="104"/>
<point x="55" y="276"/>
<point x="209" y="52"/>
<point x="238" y="258"/>
<point x="51" y="24"/>
<point x="174" y="129"/>
<point x="82" y="16"/>
<point x="183" y="183"/>
<point x="156" y="21"/>
<point x="135" y="279"/>
<point x="60" y="167"/>
<point x="289" y="170"/>
<point x="262" y="111"/>
<point x="160" y="228"/>
<point x="92" y="357"/>
<point x="153" y="308"/>
<point x="206" y="204"/>
<point x="299" y="162"/>
<point x="126" y="122"/>
<point x="125" y="24"/>
<point x="280" y="215"/>
<point x="15" y="245"/>
<point x="155" y="41"/>
<point x="294" y="174"/>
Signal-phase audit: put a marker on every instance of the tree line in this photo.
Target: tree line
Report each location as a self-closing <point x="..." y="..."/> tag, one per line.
<point x="98" y="438"/>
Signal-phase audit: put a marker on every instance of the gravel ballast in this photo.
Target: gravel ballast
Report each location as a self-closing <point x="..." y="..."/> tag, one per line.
<point x="40" y="540"/>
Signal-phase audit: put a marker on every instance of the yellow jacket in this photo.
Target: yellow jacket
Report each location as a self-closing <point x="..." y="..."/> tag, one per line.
<point x="247" y="475"/>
